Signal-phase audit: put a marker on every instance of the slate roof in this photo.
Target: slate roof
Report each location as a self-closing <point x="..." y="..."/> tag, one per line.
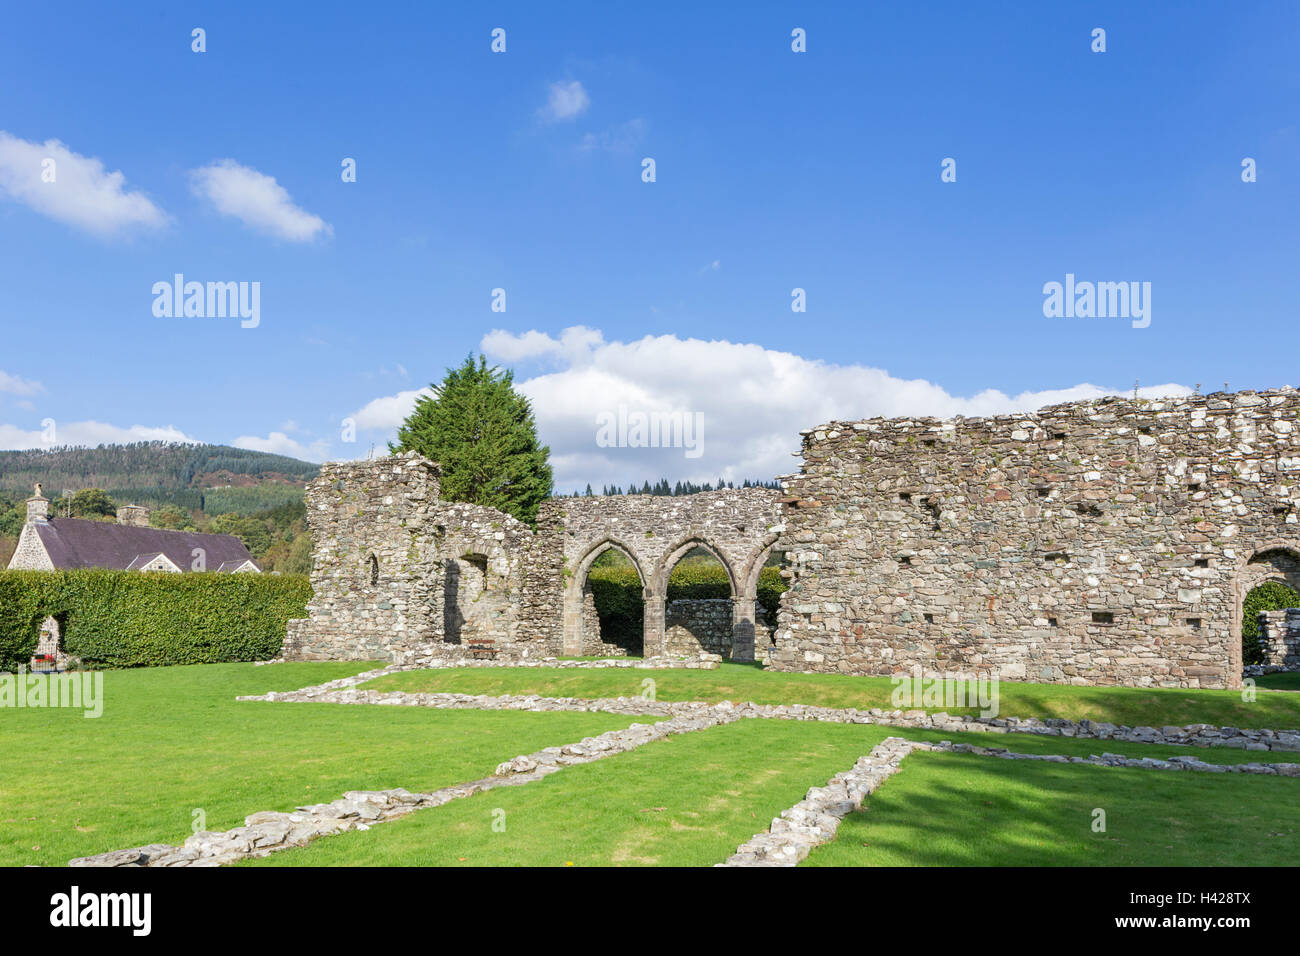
<point x="81" y="543"/>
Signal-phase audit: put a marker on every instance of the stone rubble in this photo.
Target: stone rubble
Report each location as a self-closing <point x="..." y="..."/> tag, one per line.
<point x="346" y="691"/>
<point x="815" y="819"/>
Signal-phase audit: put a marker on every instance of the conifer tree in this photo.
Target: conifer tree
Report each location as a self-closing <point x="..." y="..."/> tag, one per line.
<point x="482" y="434"/>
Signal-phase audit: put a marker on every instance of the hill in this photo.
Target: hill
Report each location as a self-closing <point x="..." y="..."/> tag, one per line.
<point x="215" y="479"/>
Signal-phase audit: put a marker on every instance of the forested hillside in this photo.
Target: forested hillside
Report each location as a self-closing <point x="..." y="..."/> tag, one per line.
<point x="148" y="466"/>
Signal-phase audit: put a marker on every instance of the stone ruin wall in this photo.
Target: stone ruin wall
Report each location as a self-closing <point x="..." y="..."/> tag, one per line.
<point x="738" y="526"/>
<point x="1107" y="542"/>
<point x="400" y="575"/>
<point x="1279" y="636"/>
<point x="389" y="560"/>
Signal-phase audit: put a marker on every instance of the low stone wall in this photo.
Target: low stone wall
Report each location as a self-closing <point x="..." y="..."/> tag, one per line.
<point x="1279" y="636"/>
<point x="699" y="624"/>
<point x="346" y="690"/>
<point x="816" y="818"/>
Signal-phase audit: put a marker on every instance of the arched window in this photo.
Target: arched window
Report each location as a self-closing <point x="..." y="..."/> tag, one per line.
<point x="374" y="570"/>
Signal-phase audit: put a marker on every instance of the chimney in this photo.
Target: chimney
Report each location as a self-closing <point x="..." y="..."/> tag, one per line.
<point x="38" y="507"/>
<point x="134" y="515"/>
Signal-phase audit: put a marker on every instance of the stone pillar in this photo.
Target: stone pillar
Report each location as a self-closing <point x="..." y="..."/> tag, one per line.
<point x="653" y="639"/>
<point x="572" y="645"/>
<point x="742" y="630"/>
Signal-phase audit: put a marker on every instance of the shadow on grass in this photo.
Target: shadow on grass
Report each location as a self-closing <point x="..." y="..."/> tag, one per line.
<point x="958" y="810"/>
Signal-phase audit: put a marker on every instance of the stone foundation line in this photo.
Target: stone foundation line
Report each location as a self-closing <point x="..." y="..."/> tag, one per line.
<point x="269" y="831"/>
<point x="816" y="818"/>
<point x="346" y="691"/>
<point x="702" y="661"/>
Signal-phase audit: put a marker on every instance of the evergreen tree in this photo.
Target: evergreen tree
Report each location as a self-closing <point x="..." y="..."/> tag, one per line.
<point x="482" y="434"/>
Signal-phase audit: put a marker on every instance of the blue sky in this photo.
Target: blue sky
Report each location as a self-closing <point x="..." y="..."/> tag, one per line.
<point x="522" y="171"/>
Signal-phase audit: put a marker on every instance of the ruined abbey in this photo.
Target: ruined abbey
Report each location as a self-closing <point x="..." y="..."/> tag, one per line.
<point x="1103" y="542"/>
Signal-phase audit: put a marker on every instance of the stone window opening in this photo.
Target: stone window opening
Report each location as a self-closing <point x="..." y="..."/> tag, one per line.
<point x="904" y="496"/>
<point x="905" y="561"/>
<point x="929" y="618"/>
<point x="1202" y="562"/>
<point x="466" y="617"/>
<point x="1194" y="623"/>
<point x="1103" y="617"/>
<point x="1060" y="556"/>
<point x="1058" y="436"/>
<point x="1051" y="622"/>
<point x="373" y="564"/>
<point x="1043" y="492"/>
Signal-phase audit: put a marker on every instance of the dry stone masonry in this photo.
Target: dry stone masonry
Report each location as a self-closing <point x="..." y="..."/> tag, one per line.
<point x="1279" y="635"/>
<point x="1103" y="542"/>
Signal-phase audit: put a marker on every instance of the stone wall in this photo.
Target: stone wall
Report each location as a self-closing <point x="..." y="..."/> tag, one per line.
<point x="1279" y="636"/>
<point x="1105" y="542"/>
<point x="399" y="574"/>
<point x="737" y="526"/>
<point x="700" y="624"/>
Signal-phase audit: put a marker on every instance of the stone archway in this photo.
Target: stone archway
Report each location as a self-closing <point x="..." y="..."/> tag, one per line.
<point x="692" y="625"/>
<point x="581" y="628"/>
<point x="746" y="604"/>
<point x="1276" y="561"/>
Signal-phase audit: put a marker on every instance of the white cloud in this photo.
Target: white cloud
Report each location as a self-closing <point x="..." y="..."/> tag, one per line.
<point x="753" y="402"/>
<point x="88" y="434"/>
<point x="82" y="194"/>
<point x="566" y="101"/>
<point x="257" y="200"/>
<point x="18" y="386"/>
<point x="386" y="414"/>
<point x="617" y="139"/>
<point x="279" y="443"/>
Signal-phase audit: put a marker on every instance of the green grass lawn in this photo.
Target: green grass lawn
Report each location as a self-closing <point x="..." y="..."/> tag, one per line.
<point x="739" y="682"/>
<point x="692" y="799"/>
<point x="959" y="810"/>
<point x="1286" y="680"/>
<point x="175" y="739"/>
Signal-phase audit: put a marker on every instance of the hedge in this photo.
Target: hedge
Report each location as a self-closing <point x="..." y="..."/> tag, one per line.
<point x="617" y="594"/>
<point x="133" y="619"/>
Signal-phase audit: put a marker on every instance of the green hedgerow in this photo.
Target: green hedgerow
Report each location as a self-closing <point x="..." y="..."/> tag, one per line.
<point x="129" y="619"/>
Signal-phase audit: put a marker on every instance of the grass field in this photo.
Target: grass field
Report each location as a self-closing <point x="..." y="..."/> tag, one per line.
<point x="739" y="682"/>
<point x="172" y="740"/>
<point x="960" y="810"/>
<point x="691" y="800"/>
